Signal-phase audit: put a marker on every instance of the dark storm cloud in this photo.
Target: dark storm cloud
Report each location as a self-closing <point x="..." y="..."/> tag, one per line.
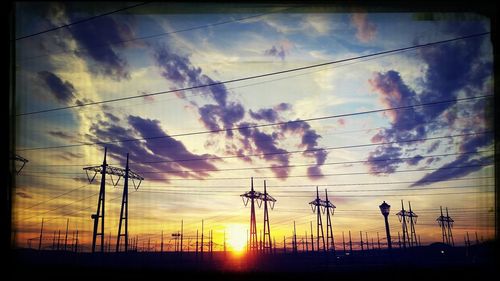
<point x="96" y="39"/>
<point x="269" y="114"/>
<point x="266" y="144"/>
<point x="309" y="140"/>
<point x="180" y="71"/>
<point x="451" y="68"/>
<point x="160" y="150"/>
<point x="61" y="90"/>
<point x="168" y="147"/>
<point x="460" y="167"/>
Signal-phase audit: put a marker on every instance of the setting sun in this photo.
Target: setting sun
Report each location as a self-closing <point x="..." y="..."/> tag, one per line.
<point x="237" y="237"/>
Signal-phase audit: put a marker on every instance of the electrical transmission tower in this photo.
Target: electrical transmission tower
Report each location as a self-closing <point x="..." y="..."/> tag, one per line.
<point x="446" y="224"/>
<point x="413" y="220"/>
<point x="327" y="205"/>
<point x="20" y="159"/>
<point x="267" y="243"/>
<point x="246" y="197"/>
<point x="402" y="216"/>
<point x="316" y="208"/>
<point x="100" y="213"/>
<point x="124" y="208"/>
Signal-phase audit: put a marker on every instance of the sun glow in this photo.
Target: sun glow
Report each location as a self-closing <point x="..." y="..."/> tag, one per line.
<point x="237" y="239"/>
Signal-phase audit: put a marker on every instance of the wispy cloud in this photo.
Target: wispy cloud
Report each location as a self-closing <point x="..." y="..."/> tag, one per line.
<point x="366" y="30"/>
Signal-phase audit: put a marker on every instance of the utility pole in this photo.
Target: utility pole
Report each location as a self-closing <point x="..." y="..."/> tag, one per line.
<point x="294" y="238"/>
<point x="182" y="232"/>
<point x="307" y="244"/>
<point x="58" y="239"/>
<point x="124" y="208"/>
<point x="316" y="208"/>
<point x="54" y="241"/>
<point x="161" y="243"/>
<point x="267" y="230"/>
<point x="274" y="249"/>
<point x="246" y="197"/>
<point x="330" y="242"/>
<point x="197" y="242"/>
<point x="41" y="237"/>
<point x="312" y="237"/>
<point x="361" y="239"/>
<point x="201" y="239"/>
<point x="350" y="242"/>
<point x="76" y="242"/>
<point x="378" y="241"/>
<point x="343" y="242"/>
<point x="66" y="236"/>
<point x="284" y="244"/>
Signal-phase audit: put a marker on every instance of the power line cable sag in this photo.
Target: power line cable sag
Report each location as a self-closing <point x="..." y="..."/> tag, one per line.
<point x="164" y="33"/>
<point x="258" y="76"/>
<point x="81" y="21"/>
<point x="260" y="125"/>
<point x="300" y="176"/>
<point x="282" y="166"/>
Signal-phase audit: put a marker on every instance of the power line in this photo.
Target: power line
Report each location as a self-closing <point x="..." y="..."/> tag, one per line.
<point x="312" y="175"/>
<point x="164" y="33"/>
<point x="261" y="125"/>
<point x="257" y="76"/>
<point x="232" y="186"/>
<point x="58" y="196"/>
<point x="326" y="185"/>
<point x="81" y="21"/>
<point x="287" y="166"/>
<point x="310" y="192"/>
<point x="342" y="196"/>
<point x="234" y="156"/>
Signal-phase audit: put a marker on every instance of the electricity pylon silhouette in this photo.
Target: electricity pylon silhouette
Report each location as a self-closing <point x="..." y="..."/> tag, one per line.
<point x="327" y="205"/>
<point x="267" y="243"/>
<point x="100" y="213"/>
<point x="100" y="203"/>
<point x="316" y="208"/>
<point x="251" y="196"/>
<point x="402" y="216"/>
<point x="20" y="159"/>
<point x="124" y="208"/>
<point x="413" y="220"/>
<point x="446" y="223"/>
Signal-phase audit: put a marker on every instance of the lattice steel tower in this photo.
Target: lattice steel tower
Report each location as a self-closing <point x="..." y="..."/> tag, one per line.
<point x="327" y="205"/>
<point x="124" y="208"/>
<point x="446" y="224"/>
<point x="267" y="243"/>
<point x="412" y="217"/>
<point x="402" y="216"/>
<point x="316" y="208"/>
<point x="246" y="197"/>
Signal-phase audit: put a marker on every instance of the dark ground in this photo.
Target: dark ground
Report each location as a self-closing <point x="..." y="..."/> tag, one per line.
<point x="431" y="262"/>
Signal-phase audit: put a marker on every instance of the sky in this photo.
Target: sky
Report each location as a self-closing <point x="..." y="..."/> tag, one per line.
<point x="198" y="146"/>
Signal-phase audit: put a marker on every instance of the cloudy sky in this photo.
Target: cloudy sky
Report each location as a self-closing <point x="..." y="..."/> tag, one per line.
<point x="197" y="141"/>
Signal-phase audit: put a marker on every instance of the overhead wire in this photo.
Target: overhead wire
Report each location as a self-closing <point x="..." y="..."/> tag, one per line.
<point x="258" y="75"/>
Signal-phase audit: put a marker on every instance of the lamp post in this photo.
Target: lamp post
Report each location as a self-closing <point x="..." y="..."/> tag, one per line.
<point x="384" y="209"/>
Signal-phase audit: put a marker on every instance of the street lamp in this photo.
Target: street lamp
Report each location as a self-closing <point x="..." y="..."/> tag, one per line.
<point x="384" y="209"/>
